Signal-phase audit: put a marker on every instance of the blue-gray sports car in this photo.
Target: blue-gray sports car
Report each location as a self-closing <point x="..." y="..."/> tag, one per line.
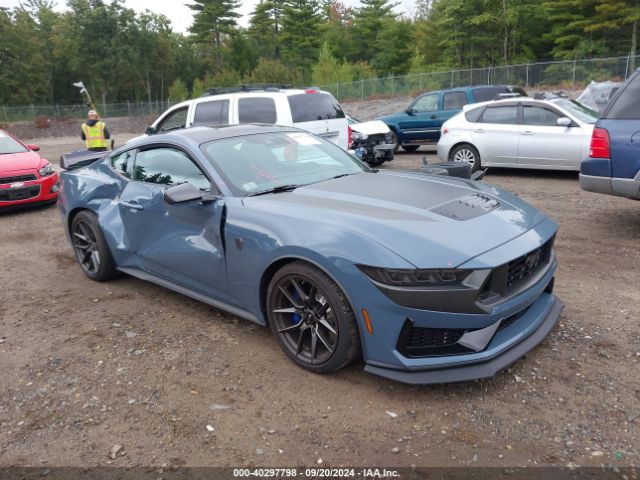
<point x="431" y="279"/>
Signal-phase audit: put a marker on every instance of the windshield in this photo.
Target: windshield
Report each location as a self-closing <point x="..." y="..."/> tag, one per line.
<point x="578" y="110"/>
<point x="257" y="163"/>
<point x="10" y="145"/>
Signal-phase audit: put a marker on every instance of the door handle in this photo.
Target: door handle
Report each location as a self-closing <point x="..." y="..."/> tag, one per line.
<point x="433" y="117"/>
<point x="527" y="132"/>
<point x="132" y="206"/>
<point x="479" y="130"/>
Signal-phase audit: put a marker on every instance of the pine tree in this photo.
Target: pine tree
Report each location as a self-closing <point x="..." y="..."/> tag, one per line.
<point x="300" y="33"/>
<point x="368" y="21"/>
<point x="617" y="16"/>
<point x="212" y="20"/>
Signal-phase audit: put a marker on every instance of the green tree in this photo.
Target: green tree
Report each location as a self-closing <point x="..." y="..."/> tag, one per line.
<point x="300" y="33"/>
<point x="367" y="24"/>
<point x="178" y="91"/>
<point x="392" y="47"/>
<point x="199" y="87"/>
<point x="213" y="19"/>
<point x="621" y="16"/>
<point x="265" y="27"/>
<point x="272" y="71"/>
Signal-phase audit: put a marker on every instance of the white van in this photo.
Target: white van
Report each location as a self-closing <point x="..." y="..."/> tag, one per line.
<point x="313" y="110"/>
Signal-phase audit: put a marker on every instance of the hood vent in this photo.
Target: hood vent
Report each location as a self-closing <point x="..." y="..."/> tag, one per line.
<point x="467" y="207"/>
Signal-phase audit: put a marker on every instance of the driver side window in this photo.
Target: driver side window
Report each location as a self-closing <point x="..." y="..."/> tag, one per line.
<point x="168" y="166"/>
<point x="176" y="119"/>
<point x="428" y="103"/>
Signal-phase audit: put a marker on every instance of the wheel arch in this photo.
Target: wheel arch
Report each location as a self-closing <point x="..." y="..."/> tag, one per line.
<point x="277" y="264"/>
<point x="465" y="142"/>
<point x="72" y="214"/>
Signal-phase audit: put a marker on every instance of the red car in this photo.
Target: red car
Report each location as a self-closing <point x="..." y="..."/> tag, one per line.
<point x="25" y="177"/>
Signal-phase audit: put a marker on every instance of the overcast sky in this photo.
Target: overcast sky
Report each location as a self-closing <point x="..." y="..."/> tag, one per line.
<point x="181" y="16"/>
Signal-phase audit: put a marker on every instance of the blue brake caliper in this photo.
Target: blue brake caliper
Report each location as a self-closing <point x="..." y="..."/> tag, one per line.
<point x="295" y="318"/>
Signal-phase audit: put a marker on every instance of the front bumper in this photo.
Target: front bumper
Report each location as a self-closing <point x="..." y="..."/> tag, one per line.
<point x="42" y="190"/>
<point x="442" y="150"/>
<point x="498" y="360"/>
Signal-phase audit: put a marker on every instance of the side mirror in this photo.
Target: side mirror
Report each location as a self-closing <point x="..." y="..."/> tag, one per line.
<point x="410" y="111"/>
<point x="182" y="194"/>
<point x="150" y="131"/>
<point x="33" y="147"/>
<point x="564" y="122"/>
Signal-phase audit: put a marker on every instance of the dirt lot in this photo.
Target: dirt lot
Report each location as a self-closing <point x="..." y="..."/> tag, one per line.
<point x="86" y="366"/>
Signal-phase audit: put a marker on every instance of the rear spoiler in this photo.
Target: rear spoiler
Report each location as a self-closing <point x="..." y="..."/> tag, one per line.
<point x="80" y="158"/>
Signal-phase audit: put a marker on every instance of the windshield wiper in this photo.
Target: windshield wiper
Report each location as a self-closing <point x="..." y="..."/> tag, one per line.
<point x="341" y="175"/>
<point x="278" y="189"/>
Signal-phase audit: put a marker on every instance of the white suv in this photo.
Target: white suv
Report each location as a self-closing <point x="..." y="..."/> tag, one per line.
<point x="313" y="110"/>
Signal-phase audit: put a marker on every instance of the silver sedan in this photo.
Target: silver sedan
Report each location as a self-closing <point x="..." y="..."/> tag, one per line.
<point x="550" y="134"/>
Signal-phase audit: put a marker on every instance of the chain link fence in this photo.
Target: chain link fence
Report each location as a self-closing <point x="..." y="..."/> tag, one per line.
<point x="566" y="75"/>
<point x="111" y="110"/>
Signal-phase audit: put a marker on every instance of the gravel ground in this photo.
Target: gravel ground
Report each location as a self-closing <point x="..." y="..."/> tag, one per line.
<point x="86" y="366"/>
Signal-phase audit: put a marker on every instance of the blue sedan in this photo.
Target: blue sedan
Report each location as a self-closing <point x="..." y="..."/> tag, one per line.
<point x="430" y="279"/>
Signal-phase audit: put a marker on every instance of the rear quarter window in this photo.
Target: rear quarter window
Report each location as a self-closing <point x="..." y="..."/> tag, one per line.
<point x="257" y="110"/>
<point x="474" y="114"/>
<point x="627" y="105"/>
<point x="308" y="107"/>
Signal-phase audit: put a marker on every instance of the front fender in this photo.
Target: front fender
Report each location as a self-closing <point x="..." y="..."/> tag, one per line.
<point x="255" y="242"/>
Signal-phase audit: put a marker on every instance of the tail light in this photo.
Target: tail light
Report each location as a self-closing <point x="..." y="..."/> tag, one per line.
<point x="349" y="136"/>
<point x="600" y="146"/>
<point x="445" y="130"/>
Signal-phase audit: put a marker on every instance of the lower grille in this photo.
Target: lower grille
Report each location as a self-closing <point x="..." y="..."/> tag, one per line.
<point x="24" y="193"/>
<point x="430" y="342"/>
<point x="17" y="178"/>
<point x="420" y="342"/>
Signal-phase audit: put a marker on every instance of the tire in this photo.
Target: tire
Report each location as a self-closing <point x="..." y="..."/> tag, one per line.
<point x="376" y="162"/>
<point x="468" y="154"/>
<point x="302" y="301"/>
<point x="455" y="169"/>
<point x="410" y="148"/>
<point x="396" y="141"/>
<point x="90" y="248"/>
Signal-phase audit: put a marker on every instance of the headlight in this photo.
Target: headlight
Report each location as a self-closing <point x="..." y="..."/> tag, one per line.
<point x="46" y="170"/>
<point x="388" y="137"/>
<point x="357" y="136"/>
<point x="415" y="278"/>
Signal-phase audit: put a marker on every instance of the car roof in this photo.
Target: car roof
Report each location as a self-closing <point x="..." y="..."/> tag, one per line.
<point x="467" y="87"/>
<point x="512" y="101"/>
<point x="204" y="134"/>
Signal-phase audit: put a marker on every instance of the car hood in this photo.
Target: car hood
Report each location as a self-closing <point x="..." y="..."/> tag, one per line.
<point x="370" y="128"/>
<point x="12" y="162"/>
<point x="422" y="218"/>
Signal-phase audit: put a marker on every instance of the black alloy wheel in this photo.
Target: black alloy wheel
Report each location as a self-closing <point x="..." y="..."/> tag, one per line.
<point x="312" y="319"/>
<point x="90" y="247"/>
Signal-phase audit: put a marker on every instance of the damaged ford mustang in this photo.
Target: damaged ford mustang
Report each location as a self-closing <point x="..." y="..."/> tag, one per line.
<point x="430" y="279"/>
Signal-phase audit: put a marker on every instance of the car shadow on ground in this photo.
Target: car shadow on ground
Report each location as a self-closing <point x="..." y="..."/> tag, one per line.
<point x="26" y="208"/>
<point x="531" y="173"/>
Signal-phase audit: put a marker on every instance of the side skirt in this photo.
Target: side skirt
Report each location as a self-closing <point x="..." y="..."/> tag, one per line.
<point x="146" y="276"/>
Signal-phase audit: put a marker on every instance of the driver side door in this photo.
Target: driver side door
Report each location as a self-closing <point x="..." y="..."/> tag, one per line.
<point x="181" y="243"/>
<point x="422" y="124"/>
